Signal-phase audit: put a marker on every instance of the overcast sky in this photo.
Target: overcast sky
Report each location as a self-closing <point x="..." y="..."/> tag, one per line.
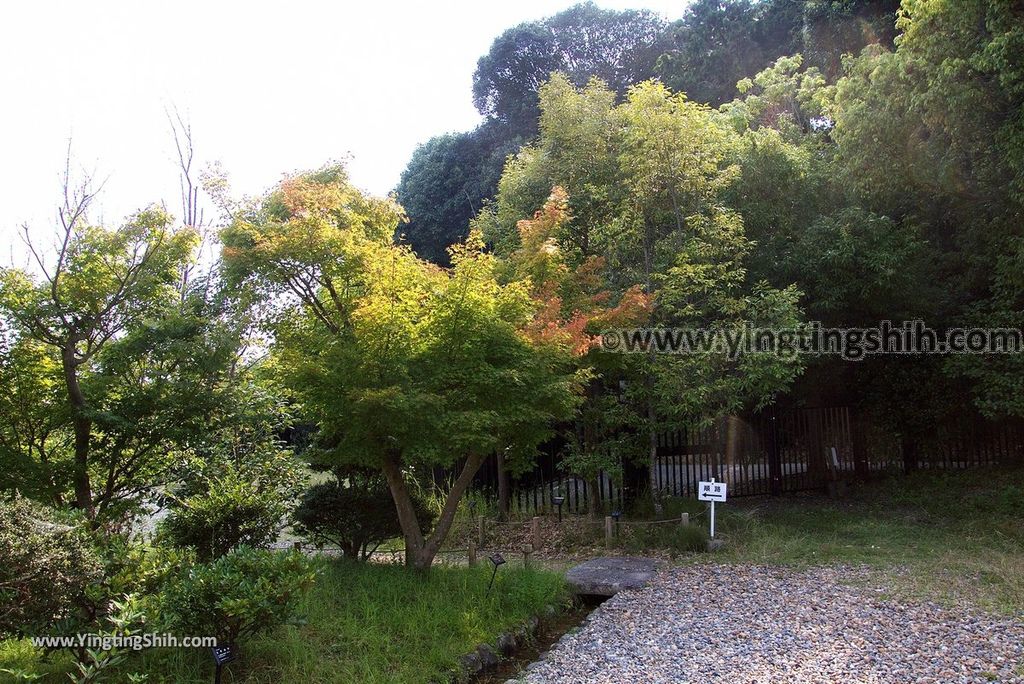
<point x="269" y="88"/>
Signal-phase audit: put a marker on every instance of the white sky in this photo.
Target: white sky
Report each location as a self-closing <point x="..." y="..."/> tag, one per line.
<point x="269" y="88"/>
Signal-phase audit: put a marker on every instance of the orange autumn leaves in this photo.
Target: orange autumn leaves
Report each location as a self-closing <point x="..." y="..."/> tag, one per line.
<point x="574" y="305"/>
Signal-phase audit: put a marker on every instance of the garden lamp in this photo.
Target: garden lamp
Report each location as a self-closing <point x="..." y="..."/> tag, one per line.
<point x="222" y="655"/>
<point x="497" y="559"/>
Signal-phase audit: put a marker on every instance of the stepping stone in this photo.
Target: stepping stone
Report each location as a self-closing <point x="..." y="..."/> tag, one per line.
<point x="607" y="576"/>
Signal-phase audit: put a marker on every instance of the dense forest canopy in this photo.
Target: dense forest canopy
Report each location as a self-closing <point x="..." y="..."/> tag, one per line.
<point x="704" y="54"/>
<point x="869" y="150"/>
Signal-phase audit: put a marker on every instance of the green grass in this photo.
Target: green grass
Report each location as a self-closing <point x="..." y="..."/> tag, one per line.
<point x="949" y="536"/>
<point x="372" y="623"/>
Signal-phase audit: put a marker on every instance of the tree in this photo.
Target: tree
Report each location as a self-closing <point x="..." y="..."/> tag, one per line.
<point x="932" y="133"/>
<point x="718" y="43"/>
<point x="354" y="511"/>
<point x="446" y="183"/>
<point x="643" y="233"/>
<point x="231" y="511"/>
<point x="102" y="284"/>
<point x="583" y="42"/>
<point x="402" y="365"/>
<point x="450" y="177"/>
<point x="47" y="567"/>
<point x="236" y="484"/>
<point x="833" y="28"/>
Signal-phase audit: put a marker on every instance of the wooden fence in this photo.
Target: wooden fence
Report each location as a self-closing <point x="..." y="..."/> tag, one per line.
<point x="774" y="452"/>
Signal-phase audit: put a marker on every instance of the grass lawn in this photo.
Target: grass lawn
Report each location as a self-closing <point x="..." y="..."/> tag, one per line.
<point x="372" y="623"/>
<point x="944" y="536"/>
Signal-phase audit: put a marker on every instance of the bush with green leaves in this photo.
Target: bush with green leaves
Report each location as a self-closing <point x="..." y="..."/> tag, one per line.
<point x="232" y="511"/>
<point x="355" y="511"/>
<point x="46" y="566"/>
<point x="246" y="592"/>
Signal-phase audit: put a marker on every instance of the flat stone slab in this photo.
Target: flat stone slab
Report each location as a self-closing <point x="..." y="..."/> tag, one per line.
<point x="607" y="576"/>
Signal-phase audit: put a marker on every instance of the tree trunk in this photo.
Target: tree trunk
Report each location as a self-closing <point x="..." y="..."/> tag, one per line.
<point x="420" y="551"/>
<point x="652" y="433"/>
<point x="652" y="447"/>
<point x="82" y="425"/>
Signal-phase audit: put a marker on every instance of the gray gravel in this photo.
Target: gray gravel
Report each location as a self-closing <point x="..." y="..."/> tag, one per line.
<point x="745" y="624"/>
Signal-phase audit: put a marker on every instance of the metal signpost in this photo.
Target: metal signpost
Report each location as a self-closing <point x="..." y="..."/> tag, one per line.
<point x="712" y="491"/>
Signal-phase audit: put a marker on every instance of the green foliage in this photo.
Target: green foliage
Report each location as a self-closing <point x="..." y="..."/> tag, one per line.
<point x="125" y="620"/>
<point x="21" y="661"/>
<point x="239" y="595"/>
<point x="451" y="177"/>
<point x="717" y="43"/>
<point x="233" y="511"/>
<point x="46" y="567"/>
<point x="354" y="512"/>
<point x="236" y="486"/>
<point x="620" y="49"/>
<point x="601" y="442"/>
<point x="834" y="28"/>
<point x="106" y="289"/>
<point x="645" y="181"/>
<point x="33" y="413"/>
<point x="446" y="182"/>
<point x="857" y="266"/>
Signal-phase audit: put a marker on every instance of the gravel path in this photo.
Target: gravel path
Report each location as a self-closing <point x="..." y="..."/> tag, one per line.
<point x="746" y="624"/>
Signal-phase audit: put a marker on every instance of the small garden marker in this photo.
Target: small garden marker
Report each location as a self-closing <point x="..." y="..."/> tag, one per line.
<point x="498" y="560"/>
<point x="712" y="491"/>
<point x="222" y="655"/>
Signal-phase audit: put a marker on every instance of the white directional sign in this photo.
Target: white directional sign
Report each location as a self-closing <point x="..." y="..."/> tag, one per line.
<point x="711" y="491"/>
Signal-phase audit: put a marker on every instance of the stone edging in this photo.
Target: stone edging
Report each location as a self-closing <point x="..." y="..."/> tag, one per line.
<point x="485" y="656"/>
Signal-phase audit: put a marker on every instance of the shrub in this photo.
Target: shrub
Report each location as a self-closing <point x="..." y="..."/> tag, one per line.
<point x="243" y="593"/>
<point x="233" y="511"/>
<point x="46" y="565"/>
<point x="357" y="516"/>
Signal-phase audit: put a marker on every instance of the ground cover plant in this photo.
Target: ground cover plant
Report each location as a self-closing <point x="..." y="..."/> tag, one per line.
<point x="372" y="622"/>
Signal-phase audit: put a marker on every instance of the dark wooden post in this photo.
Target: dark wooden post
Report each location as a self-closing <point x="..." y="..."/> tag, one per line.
<point x="860" y="454"/>
<point x="503" y="490"/>
<point x="909" y="446"/>
<point x="774" y="457"/>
